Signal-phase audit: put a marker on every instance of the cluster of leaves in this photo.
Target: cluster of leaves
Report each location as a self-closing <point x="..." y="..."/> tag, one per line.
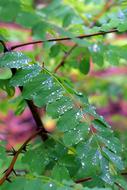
<point x="83" y="144"/>
<point x="91" y="153"/>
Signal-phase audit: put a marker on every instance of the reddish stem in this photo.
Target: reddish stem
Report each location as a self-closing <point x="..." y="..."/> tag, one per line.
<point x="63" y="39"/>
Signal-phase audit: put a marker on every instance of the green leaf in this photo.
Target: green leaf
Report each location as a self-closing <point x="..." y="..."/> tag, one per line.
<point x="85" y="65"/>
<point x="97" y="53"/>
<point x="106" y="175"/>
<point x="5" y="73"/>
<point x="122" y="26"/>
<point x="40" y="29"/>
<point x="49" y="96"/>
<point x="89" y="157"/>
<point x="20" y="105"/>
<point x="54" y="50"/>
<point x="69" y="120"/>
<point x="4" y="85"/>
<point x="111" y="56"/>
<point x="116" y="160"/>
<point x="9" y="10"/>
<point x="2" y="153"/>
<point x="25" y="75"/>
<point x="60" y="173"/>
<point x="67" y="20"/>
<point x="27" y="19"/>
<point x="105" y="136"/>
<point x="76" y="135"/>
<point x="14" y="60"/>
<point x="59" y="107"/>
<point x="40" y="156"/>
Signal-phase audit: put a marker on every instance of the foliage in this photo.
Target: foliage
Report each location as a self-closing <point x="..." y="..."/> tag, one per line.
<point x="83" y="145"/>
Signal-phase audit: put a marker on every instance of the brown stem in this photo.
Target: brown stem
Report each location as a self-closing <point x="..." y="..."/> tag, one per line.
<point x="90" y="178"/>
<point x="105" y="8"/>
<point x="83" y="180"/>
<point x="11" y="167"/>
<point x="124" y="173"/>
<point x="34" y="111"/>
<point x="64" y="58"/>
<point x="40" y="131"/>
<point x="63" y="39"/>
<point x="4" y="46"/>
<point x="118" y="185"/>
<point x="37" y="119"/>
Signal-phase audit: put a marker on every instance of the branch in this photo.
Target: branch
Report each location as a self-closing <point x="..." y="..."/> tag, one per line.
<point x="105" y="8"/>
<point x="83" y="180"/>
<point x="64" y="58"/>
<point x="90" y="178"/>
<point x="124" y="173"/>
<point x="40" y="131"/>
<point x="118" y="185"/>
<point x="62" y="39"/>
<point x="37" y="119"/>
<point x="4" y="46"/>
<point x="11" y="167"/>
<point x="32" y="107"/>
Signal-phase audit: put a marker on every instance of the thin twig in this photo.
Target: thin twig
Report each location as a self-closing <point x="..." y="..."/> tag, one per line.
<point x="118" y="185"/>
<point x="37" y="119"/>
<point x="11" y="167"/>
<point x="40" y="131"/>
<point x="32" y="107"/>
<point x="105" y="8"/>
<point x="4" y="45"/>
<point x="124" y="173"/>
<point x="64" y="58"/>
<point x="83" y="180"/>
<point x="63" y="39"/>
<point x="90" y="178"/>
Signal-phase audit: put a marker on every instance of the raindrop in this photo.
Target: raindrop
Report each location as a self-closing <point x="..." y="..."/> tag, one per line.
<point x="55" y="95"/>
<point x="47" y="83"/>
<point x="81" y="139"/>
<point x="79" y="93"/>
<point x="62" y="109"/>
<point x="83" y="164"/>
<point x="96" y="48"/>
<point x="100" y="156"/>
<point x="121" y="15"/>
<point x="101" y="117"/>
<point x="79" y="115"/>
<point x="50" y="185"/>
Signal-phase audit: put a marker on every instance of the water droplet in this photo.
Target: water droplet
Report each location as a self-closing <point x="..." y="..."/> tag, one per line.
<point x="48" y="84"/>
<point x="62" y="109"/>
<point x="95" y="48"/>
<point x="101" y="117"/>
<point x="83" y="164"/>
<point x="93" y="107"/>
<point x="55" y="95"/>
<point x="121" y="15"/>
<point x="79" y="115"/>
<point x="100" y="156"/>
<point x="81" y="139"/>
<point x="79" y="93"/>
<point x="50" y="185"/>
